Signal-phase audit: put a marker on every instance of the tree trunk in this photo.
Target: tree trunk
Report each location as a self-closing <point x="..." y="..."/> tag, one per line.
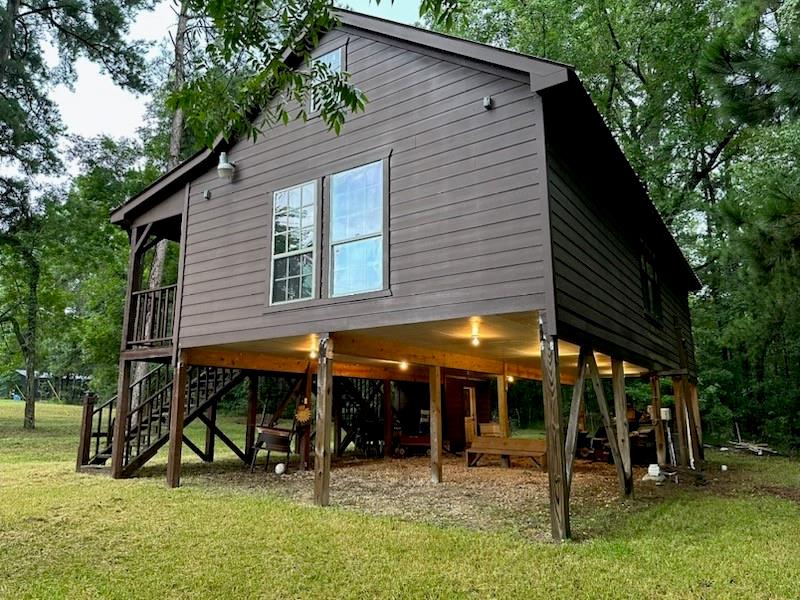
<point x="29" y="346"/>
<point x="7" y="37"/>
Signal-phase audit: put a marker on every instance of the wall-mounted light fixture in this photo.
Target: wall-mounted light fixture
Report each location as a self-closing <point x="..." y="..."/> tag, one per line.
<point x="510" y="379"/>
<point x="403" y="365"/>
<point x="225" y="168"/>
<point x="313" y="354"/>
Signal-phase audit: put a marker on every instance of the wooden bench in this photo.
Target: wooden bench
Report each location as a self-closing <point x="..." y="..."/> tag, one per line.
<point x="536" y="450"/>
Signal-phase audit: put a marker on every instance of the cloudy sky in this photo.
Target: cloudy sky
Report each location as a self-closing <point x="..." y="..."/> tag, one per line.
<point x="96" y="106"/>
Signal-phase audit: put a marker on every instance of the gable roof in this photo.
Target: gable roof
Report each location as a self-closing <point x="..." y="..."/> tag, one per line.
<point x="545" y="76"/>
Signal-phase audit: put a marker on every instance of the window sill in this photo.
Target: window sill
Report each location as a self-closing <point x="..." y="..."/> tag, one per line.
<point x="317" y="302"/>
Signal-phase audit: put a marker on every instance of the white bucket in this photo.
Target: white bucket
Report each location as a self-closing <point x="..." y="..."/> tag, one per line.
<point x="654" y="470"/>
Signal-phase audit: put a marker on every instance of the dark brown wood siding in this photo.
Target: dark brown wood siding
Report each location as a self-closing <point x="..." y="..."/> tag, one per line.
<point x="465" y="203"/>
<point x="596" y="266"/>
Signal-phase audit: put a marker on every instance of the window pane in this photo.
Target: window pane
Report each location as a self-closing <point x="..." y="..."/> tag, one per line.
<point x="307" y="286"/>
<point x="308" y="264"/>
<point x="294" y="265"/>
<point x="279" y="291"/>
<point x="358" y="266"/>
<point x="280" y="243"/>
<point x="294" y="240"/>
<point x="293" y="289"/>
<point x="280" y="268"/>
<point x="357" y="202"/>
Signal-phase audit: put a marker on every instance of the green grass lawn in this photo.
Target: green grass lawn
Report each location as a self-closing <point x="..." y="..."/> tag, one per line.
<point x="65" y="535"/>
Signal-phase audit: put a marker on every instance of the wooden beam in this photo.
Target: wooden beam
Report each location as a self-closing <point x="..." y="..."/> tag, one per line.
<point x="361" y="346"/>
<point x="322" y="445"/>
<point x="388" y="419"/>
<point x="571" y="444"/>
<point x="435" y="387"/>
<point x="502" y="415"/>
<point x="336" y="403"/>
<point x="270" y="363"/>
<point x="176" y="321"/>
<point x="121" y="418"/>
<point x="502" y="406"/>
<point x="621" y="415"/>
<point x="611" y="434"/>
<point x="252" y="415"/>
<point x="224" y="438"/>
<point x="211" y="415"/>
<point x="134" y="282"/>
<point x="176" y="423"/>
<point x="85" y="443"/>
<point x="556" y="464"/>
<point x="305" y="436"/>
<point x="698" y="427"/>
<point x="249" y="361"/>
<point x="680" y="422"/>
<point x="661" y="444"/>
<point x="193" y="447"/>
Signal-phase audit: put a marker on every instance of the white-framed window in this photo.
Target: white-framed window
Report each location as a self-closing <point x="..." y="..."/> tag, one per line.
<point x="356" y="230"/>
<point x="294" y="233"/>
<point x="333" y="60"/>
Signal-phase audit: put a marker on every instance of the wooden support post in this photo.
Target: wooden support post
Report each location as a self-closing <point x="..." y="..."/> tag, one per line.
<point x="85" y="443"/>
<point x="621" y="414"/>
<point x="435" y="385"/>
<point x="388" y="419"/>
<point x="211" y="415"/>
<point x="661" y="444"/>
<point x="502" y="414"/>
<point x="305" y="438"/>
<point x="611" y="434"/>
<point x="252" y="415"/>
<point x="322" y="445"/>
<point x="698" y="427"/>
<point x="571" y="444"/>
<point x="121" y="418"/>
<point x="556" y="463"/>
<point x="176" y="416"/>
<point x="680" y="422"/>
<point x="502" y="406"/>
<point x="337" y="426"/>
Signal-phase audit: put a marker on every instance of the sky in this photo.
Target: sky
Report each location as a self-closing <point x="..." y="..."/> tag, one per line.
<point x="96" y="106"/>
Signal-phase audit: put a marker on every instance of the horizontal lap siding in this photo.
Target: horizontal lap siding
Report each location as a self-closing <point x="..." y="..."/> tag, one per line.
<point x="465" y="213"/>
<point x="597" y="278"/>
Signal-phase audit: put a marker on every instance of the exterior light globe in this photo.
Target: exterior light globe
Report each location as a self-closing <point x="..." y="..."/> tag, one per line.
<point x="225" y="168"/>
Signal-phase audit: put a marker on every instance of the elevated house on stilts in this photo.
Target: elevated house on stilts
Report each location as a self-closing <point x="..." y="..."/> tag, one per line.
<point x="476" y="222"/>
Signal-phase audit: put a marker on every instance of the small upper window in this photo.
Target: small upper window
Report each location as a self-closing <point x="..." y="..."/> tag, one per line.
<point x="294" y="243"/>
<point x="357" y="230"/>
<point x="651" y="290"/>
<point x="333" y="60"/>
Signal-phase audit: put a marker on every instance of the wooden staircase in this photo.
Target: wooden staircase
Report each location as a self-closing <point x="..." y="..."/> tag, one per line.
<point x="146" y="425"/>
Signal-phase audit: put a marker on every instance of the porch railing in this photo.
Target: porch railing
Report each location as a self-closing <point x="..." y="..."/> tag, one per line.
<point x="153" y="316"/>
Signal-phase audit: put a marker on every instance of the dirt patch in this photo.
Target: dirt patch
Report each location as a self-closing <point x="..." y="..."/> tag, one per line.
<point x="787" y="493"/>
<point x="487" y="497"/>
